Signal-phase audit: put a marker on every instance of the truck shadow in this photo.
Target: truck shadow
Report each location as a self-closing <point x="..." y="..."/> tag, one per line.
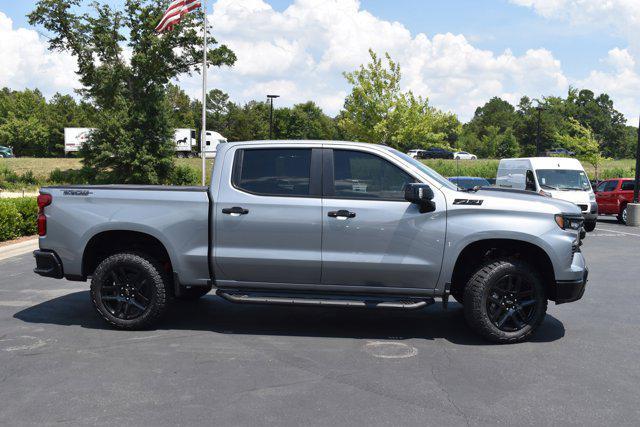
<point x="214" y="314"/>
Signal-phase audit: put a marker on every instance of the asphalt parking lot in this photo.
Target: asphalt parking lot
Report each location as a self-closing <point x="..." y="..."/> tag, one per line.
<point x="212" y="362"/>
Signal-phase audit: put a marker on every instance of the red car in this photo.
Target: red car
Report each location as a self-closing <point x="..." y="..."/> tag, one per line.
<point x="613" y="195"/>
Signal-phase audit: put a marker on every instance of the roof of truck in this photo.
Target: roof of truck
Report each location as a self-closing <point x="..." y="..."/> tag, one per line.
<point x="547" y="162"/>
<point x="310" y="141"/>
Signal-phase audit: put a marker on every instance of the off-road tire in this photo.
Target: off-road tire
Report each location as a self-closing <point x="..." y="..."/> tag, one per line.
<point x="477" y="291"/>
<point x="193" y="293"/>
<point x="156" y="278"/>
<point x="589" y="226"/>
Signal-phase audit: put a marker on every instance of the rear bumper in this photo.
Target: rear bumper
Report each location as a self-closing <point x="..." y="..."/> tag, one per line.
<point x="571" y="290"/>
<point x="48" y="264"/>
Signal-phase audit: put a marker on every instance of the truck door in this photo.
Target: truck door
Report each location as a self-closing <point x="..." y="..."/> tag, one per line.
<point x="372" y="237"/>
<point x="268" y="224"/>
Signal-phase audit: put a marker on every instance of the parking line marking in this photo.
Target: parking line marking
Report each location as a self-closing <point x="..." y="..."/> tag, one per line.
<point x="621" y="232"/>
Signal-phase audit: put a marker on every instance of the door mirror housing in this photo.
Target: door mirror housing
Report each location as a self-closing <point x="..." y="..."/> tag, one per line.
<point x="421" y="195"/>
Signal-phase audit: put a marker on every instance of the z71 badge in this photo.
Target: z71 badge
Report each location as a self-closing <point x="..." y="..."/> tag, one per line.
<point x="472" y="202"/>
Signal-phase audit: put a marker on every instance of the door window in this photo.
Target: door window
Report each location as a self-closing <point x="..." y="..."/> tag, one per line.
<point x="359" y="175"/>
<point x="611" y="186"/>
<point x="628" y="186"/>
<point x="273" y="172"/>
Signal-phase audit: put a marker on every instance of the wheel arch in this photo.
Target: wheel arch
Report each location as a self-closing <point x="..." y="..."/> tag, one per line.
<point x="107" y="242"/>
<point x="476" y="253"/>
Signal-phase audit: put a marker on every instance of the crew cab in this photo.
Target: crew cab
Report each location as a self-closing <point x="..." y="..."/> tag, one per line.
<point x="336" y="224"/>
<point x="613" y="195"/>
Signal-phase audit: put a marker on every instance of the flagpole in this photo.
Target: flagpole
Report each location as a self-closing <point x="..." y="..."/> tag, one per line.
<point x="204" y="97"/>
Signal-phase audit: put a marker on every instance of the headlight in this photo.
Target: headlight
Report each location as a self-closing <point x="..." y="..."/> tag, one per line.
<point x="592" y="197"/>
<point x="569" y="221"/>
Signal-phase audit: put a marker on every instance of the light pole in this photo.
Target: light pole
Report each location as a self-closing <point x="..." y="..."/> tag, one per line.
<point x="271" y="98"/>
<point x="633" y="209"/>
<point x="539" y="108"/>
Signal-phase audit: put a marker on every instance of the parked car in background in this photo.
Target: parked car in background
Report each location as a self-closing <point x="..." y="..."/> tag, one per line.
<point x="559" y="152"/>
<point x="6" y="152"/>
<point x="613" y="195"/>
<point x="557" y="177"/>
<point x="469" y="182"/>
<point x="436" y="153"/>
<point x="463" y="155"/>
<point x="415" y="154"/>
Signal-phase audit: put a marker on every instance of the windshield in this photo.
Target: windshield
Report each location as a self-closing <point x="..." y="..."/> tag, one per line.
<point x="560" y="179"/>
<point x="425" y="169"/>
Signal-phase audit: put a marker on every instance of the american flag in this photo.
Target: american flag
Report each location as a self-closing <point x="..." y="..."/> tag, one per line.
<point x="176" y="10"/>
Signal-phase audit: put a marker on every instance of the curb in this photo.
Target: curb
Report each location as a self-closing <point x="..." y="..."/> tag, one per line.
<point x="18" y="248"/>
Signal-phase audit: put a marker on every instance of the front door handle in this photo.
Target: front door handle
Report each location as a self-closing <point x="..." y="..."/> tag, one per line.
<point x="341" y="214"/>
<point x="235" y="211"/>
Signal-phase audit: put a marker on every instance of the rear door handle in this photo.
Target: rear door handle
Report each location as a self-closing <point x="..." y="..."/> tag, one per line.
<point x="341" y="214"/>
<point x="235" y="211"/>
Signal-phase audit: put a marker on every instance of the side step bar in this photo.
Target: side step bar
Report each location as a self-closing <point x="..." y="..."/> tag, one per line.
<point x="349" y="301"/>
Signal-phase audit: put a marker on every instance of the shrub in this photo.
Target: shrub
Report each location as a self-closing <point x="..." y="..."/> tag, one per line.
<point x="9" y="220"/>
<point x="70" y="176"/>
<point x="18" y="217"/>
<point x="184" y="175"/>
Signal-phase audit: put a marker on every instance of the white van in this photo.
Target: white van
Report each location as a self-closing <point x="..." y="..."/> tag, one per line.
<point x="557" y="177"/>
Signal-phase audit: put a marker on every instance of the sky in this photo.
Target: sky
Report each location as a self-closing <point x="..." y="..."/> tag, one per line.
<point x="458" y="53"/>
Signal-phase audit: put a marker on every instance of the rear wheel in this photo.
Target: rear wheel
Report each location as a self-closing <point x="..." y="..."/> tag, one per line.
<point x="590" y="226"/>
<point x="505" y="301"/>
<point x="130" y="291"/>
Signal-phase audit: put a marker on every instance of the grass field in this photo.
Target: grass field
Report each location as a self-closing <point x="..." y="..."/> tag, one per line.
<point x="41" y="168"/>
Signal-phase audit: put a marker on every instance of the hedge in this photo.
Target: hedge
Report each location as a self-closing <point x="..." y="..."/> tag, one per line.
<point x="18" y="217"/>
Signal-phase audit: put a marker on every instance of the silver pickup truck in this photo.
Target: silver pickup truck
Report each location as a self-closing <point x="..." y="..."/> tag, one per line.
<point x="316" y="223"/>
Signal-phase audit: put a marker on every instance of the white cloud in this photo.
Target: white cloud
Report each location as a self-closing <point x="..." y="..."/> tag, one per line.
<point x="26" y="62"/>
<point x="312" y="42"/>
<point x="621" y="76"/>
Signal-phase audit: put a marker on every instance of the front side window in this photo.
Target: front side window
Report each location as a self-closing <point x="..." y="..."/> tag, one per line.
<point x="611" y="186"/>
<point x="359" y="175"/>
<point x="274" y="172"/>
<point x="600" y="187"/>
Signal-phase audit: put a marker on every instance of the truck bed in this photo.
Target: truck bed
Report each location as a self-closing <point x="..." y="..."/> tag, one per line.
<point x="177" y="217"/>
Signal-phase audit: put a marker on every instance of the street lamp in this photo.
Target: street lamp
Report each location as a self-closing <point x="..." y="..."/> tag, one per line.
<point x="270" y="99"/>
<point x="539" y="108"/>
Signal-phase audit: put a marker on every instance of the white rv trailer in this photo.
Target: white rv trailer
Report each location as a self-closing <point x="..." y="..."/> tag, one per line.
<point x="186" y="143"/>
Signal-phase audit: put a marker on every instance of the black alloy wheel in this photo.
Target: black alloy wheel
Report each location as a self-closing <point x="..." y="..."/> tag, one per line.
<point x="127" y="293"/>
<point x="511" y="303"/>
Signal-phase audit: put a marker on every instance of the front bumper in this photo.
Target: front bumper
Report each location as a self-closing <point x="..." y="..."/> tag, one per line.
<point x="592" y="213"/>
<point x="571" y="290"/>
<point x="48" y="264"/>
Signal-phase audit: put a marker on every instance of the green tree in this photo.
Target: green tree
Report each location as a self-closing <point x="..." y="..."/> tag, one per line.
<point x="182" y="115"/>
<point x="132" y="142"/>
<point x="378" y="111"/>
<point x="582" y="141"/>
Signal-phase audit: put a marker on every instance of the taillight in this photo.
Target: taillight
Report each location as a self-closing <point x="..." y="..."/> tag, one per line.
<point x="43" y="201"/>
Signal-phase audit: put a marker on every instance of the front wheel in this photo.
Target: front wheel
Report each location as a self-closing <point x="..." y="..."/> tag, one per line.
<point x="130" y="291"/>
<point x="622" y="216"/>
<point x="590" y="226"/>
<point x="505" y="301"/>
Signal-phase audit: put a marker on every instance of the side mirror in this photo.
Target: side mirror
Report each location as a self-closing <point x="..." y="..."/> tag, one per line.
<point x="420" y="194"/>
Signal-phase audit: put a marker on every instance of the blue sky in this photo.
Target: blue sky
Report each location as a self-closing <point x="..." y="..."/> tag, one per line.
<point x="458" y="52"/>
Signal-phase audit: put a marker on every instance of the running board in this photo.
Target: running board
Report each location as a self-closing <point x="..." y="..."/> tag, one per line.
<point x="349" y="301"/>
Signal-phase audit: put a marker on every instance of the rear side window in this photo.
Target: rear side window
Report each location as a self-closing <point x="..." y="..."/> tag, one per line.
<point x="359" y="175"/>
<point x="273" y="172"/>
<point x="628" y="186"/>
